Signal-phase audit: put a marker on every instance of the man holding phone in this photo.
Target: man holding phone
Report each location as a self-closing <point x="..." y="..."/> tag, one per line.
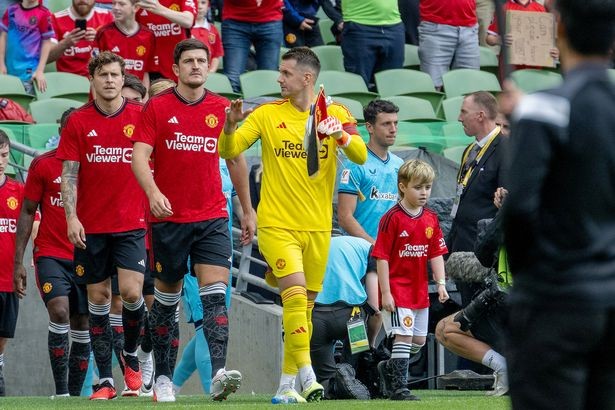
<point x="75" y="29"/>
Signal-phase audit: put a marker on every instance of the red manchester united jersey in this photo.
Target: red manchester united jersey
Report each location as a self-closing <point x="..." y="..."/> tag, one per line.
<point x="407" y="242"/>
<point x="186" y="164"/>
<point x="11" y="197"/>
<point x="167" y="34"/>
<point x="209" y="35"/>
<point x="75" y="59"/>
<point x="109" y="198"/>
<point x="43" y="187"/>
<point x="137" y="50"/>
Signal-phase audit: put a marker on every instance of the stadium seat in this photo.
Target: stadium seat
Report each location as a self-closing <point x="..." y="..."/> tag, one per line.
<point x="612" y="74"/>
<point x="411" y="57"/>
<point x="15" y="157"/>
<point x="39" y="134"/>
<point x="451" y="108"/>
<point x="65" y="85"/>
<point x="51" y="67"/>
<point x="220" y="84"/>
<point x="51" y="109"/>
<point x="531" y="80"/>
<point x="355" y="108"/>
<point x="57" y="5"/>
<point x="465" y="81"/>
<point x="260" y="83"/>
<point x="331" y="57"/>
<point x="11" y="87"/>
<point x="452" y="128"/>
<point x="418" y="135"/>
<point x="413" y="109"/>
<point x="454" y="153"/>
<point x="488" y="60"/>
<point x="363" y="133"/>
<point x="325" y="25"/>
<point x="408" y="82"/>
<point x="343" y="84"/>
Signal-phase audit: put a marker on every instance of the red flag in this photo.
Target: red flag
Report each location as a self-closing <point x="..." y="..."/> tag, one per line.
<point x="320" y="111"/>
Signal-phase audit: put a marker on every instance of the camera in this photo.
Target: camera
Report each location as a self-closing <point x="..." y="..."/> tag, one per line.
<point x="488" y="299"/>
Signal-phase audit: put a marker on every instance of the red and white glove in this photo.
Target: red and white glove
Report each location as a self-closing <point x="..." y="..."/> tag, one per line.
<point x="330" y="126"/>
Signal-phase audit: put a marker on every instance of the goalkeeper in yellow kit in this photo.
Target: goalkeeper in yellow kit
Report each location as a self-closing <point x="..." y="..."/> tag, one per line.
<point x="295" y="211"/>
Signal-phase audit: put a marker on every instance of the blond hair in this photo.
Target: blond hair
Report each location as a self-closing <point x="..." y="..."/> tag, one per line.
<point x="159" y="85"/>
<point x="415" y="170"/>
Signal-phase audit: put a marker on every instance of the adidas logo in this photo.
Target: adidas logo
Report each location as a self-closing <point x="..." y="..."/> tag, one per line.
<point x="58" y="180"/>
<point x="281" y="125"/>
<point x="142" y="262"/>
<point x="173" y="120"/>
<point x="404" y="234"/>
<point x="299" y="330"/>
<point x="115" y="49"/>
<point x="92" y="133"/>
<point x="144" y="12"/>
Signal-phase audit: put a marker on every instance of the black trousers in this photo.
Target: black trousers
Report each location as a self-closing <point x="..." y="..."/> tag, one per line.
<point x="561" y="359"/>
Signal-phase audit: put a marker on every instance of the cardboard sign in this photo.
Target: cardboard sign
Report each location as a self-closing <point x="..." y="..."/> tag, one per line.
<point x="533" y="36"/>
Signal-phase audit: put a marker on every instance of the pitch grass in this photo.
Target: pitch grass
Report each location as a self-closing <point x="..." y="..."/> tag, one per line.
<point x="430" y="400"/>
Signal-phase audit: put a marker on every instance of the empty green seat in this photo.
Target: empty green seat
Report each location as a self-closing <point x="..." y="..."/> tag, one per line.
<point x="451" y="108"/>
<point x="411" y="57"/>
<point x="260" y="83"/>
<point x="343" y="84"/>
<point x="531" y="80"/>
<point x="11" y="87"/>
<point x="65" y="85"/>
<point x="51" y="110"/>
<point x="39" y="134"/>
<point x="419" y="136"/>
<point x="413" y="109"/>
<point x="355" y="107"/>
<point x="408" y="82"/>
<point x="488" y="60"/>
<point x="220" y="84"/>
<point x="465" y="81"/>
<point x="331" y="57"/>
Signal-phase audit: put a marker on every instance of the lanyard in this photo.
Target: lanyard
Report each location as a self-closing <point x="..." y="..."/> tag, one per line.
<point x="491" y="136"/>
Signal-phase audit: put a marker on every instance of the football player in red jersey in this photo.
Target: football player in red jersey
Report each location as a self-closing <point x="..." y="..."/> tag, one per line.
<point x="105" y="214"/>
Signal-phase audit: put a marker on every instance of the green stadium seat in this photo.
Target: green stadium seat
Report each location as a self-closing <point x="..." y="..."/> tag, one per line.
<point x="408" y="82"/>
<point x="325" y="25"/>
<point x="51" y="68"/>
<point x="11" y="87"/>
<point x="331" y="57"/>
<point x="343" y="84"/>
<point x="488" y="60"/>
<point x="465" y="81"/>
<point x="15" y="157"/>
<point x="51" y="110"/>
<point x="413" y="109"/>
<point x="65" y="85"/>
<point x="418" y="135"/>
<point x="260" y="83"/>
<point x="57" y="5"/>
<point x="411" y="57"/>
<point x="612" y="74"/>
<point x="363" y="133"/>
<point x="451" y="108"/>
<point x="531" y="80"/>
<point x="39" y="134"/>
<point x="220" y="84"/>
<point x="452" y="128"/>
<point x="355" y="108"/>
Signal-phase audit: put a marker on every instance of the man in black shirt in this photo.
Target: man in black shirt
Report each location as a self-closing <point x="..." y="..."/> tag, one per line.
<point x="559" y="221"/>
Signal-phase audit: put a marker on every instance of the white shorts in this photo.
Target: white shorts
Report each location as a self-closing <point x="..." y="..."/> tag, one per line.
<point x="406" y="322"/>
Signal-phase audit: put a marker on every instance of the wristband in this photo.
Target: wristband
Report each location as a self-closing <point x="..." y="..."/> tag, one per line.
<point x="441" y="282"/>
<point x="344" y="140"/>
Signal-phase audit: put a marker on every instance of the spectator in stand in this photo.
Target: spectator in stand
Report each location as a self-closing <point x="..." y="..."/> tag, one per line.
<point x="209" y="35"/>
<point x="63" y="292"/>
<point x="130" y="40"/>
<point x="373" y="37"/>
<point x="246" y="23"/>
<point x="75" y="29"/>
<point x="25" y="41"/>
<point x="409" y="10"/>
<point x="11" y="196"/>
<point x="448" y="37"/>
<point x="301" y="23"/>
<point x="493" y="36"/>
<point x="484" y="15"/>
<point x="171" y="22"/>
<point x="134" y="89"/>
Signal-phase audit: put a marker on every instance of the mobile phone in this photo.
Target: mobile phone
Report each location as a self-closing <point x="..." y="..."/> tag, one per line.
<point x="80" y="24"/>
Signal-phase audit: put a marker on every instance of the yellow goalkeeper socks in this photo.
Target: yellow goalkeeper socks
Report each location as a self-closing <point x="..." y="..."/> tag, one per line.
<point x="296" y="330"/>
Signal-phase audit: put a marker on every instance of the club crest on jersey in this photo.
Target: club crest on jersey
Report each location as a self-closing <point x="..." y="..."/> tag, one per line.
<point x="141" y="50"/>
<point x="174" y="7"/>
<point x="158" y="267"/>
<point x="79" y="270"/>
<point x="291" y="38"/>
<point x="211" y="120"/>
<point x="12" y="203"/>
<point x="47" y="287"/>
<point x="128" y="130"/>
<point x="211" y="37"/>
<point x="33" y="20"/>
<point x="429" y="232"/>
<point x="407" y="321"/>
<point x="280" y="263"/>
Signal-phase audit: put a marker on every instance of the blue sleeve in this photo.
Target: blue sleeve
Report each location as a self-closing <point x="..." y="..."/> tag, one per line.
<point x="291" y="15"/>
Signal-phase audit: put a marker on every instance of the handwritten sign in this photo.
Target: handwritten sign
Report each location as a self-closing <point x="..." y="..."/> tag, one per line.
<point x="533" y="37"/>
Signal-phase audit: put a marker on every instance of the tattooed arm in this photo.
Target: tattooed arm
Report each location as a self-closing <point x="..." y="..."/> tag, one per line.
<point x="70" y="175"/>
<point x="24" y="229"/>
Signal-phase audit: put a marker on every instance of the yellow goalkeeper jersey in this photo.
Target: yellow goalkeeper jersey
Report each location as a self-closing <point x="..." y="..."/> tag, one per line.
<point x="290" y="199"/>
